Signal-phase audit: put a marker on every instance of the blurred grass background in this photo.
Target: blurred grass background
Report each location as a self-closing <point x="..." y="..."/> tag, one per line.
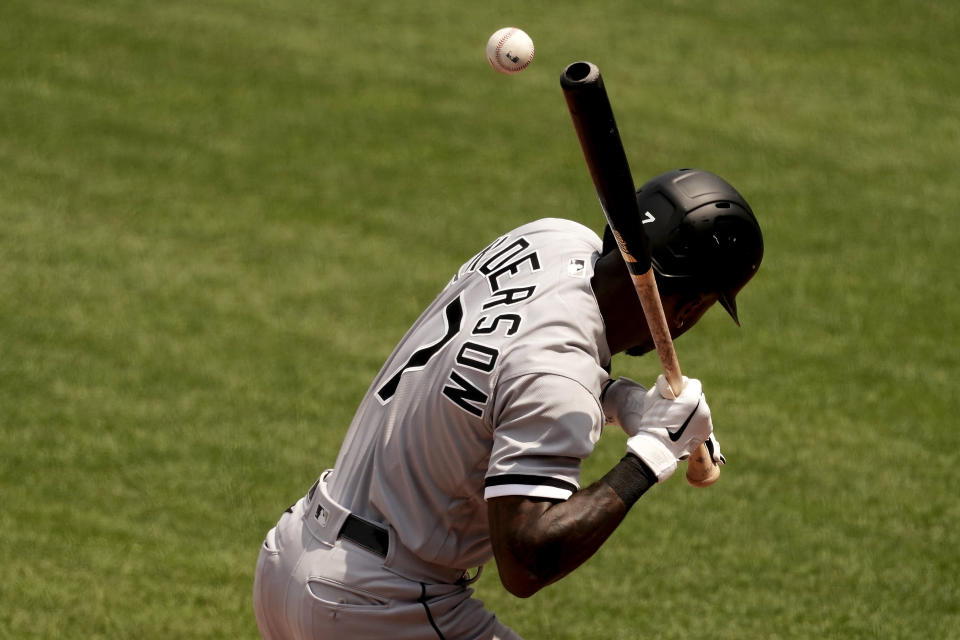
<point x="217" y="218"/>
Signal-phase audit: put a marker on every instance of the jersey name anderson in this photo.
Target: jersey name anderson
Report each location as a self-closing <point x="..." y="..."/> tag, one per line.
<point x="493" y="391"/>
<point x="499" y="261"/>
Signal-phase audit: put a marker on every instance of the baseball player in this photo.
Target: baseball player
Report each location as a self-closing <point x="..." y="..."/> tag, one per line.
<point x="468" y="444"/>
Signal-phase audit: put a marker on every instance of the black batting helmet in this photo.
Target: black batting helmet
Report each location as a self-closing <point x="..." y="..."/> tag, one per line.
<point x="702" y="234"/>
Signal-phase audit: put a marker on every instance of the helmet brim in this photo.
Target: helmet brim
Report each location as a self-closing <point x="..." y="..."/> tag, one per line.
<point x="729" y="303"/>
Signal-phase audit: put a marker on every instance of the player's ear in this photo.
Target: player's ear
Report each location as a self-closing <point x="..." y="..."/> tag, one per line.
<point x="687" y="311"/>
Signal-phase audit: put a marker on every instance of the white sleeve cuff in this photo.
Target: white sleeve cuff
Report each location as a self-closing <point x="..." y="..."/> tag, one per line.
<point x="532" y="486"/>
<point x="530" y="491"/>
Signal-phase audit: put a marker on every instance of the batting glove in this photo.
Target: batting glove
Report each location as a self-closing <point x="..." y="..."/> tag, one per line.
<point x="623" y="403"/>
<point x="668" y="428"/>
<point x="713" y="448"/>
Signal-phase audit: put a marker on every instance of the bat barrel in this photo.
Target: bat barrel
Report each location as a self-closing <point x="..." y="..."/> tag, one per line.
<point x="606" y="159"/>
<point x="577" y="73"/>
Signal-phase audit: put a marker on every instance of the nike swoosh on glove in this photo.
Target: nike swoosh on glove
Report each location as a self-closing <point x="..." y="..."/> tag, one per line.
<point x="669" y="429"/>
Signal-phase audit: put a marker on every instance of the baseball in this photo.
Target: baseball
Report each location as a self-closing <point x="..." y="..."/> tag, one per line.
<point x="509" y="50"/>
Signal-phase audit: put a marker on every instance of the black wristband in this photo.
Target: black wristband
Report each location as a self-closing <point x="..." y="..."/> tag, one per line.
<point x="630" y="479"/>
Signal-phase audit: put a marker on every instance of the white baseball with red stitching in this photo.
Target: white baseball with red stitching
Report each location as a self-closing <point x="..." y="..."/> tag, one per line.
<point x="509" y="50"/>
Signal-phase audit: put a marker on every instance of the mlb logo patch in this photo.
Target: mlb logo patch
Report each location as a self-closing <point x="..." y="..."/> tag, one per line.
<point x="576" y="267"/>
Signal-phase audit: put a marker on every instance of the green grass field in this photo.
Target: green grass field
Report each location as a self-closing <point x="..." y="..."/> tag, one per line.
<point x="217" y="218"/>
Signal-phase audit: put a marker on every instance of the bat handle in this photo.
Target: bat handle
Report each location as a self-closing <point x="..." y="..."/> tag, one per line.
<point x="701" y="469"/>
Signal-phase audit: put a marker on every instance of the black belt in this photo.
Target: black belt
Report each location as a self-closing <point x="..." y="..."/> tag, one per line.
<point x="371" y="537"/>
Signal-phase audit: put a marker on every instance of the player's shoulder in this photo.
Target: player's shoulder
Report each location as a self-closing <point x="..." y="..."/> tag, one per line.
<point x="561" y="227"/>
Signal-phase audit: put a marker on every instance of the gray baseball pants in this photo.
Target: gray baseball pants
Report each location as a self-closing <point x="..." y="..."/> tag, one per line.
<point x="311" y="583"/>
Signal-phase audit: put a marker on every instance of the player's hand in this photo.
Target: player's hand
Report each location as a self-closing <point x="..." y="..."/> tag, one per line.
<point x="623" y="403"/>
<point x="669" y="428"/>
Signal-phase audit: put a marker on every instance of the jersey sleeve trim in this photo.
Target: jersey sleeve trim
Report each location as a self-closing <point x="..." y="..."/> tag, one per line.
<point x="514" y="484"/>
<point x="526" y="490"/>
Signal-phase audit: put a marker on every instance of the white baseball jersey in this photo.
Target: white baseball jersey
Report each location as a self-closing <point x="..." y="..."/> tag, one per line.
<point x="494" y="391"/>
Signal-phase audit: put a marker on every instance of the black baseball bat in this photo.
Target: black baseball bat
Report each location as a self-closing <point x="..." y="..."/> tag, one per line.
<point x="606" y="158"/>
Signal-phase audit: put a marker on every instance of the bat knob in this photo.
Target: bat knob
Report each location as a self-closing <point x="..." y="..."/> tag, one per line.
<point x="701" y="471"/>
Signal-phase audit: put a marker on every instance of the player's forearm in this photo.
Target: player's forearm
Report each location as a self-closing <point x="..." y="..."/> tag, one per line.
<point x="545" y="546"/>
<point x="573" y="530"/>
<point x="570" y="532"/>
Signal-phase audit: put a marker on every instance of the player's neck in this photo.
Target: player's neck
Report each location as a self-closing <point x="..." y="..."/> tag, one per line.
<point x="619" y="306"/>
